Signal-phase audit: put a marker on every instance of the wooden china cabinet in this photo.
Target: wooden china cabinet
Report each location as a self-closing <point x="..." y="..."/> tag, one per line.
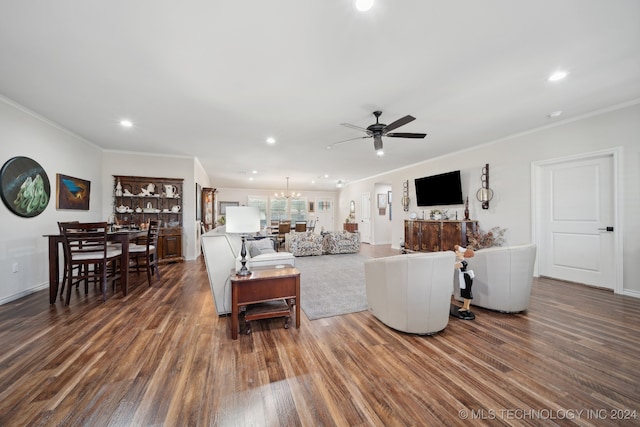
<point x="138" y="199"/>
<point x="436" y="235"/>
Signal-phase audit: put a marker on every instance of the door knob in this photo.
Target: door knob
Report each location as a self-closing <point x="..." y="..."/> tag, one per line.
<point x="606" y="229"/>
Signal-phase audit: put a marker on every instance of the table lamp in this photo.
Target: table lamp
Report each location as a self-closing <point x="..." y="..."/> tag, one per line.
<point x="243" y="220"/>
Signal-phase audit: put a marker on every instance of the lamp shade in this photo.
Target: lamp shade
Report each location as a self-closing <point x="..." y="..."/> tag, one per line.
<point x="242" y="219"/>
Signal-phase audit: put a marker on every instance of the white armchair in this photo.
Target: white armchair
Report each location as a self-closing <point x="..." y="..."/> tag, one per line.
<point x="503" y="278"/>
<point x="411" y="293"/>
<point x="222" y="254"/>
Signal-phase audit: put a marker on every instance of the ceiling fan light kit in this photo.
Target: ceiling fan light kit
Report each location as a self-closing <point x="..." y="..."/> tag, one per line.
<point x="363" y="5"/>
<point x="378" y="130"/>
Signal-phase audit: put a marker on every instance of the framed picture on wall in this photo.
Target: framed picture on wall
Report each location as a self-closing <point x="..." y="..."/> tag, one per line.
<point x="382" y="201"/>
<point x="72" y="193"/>
<point x="25" y="187"/>
<point x="223" y="206"/>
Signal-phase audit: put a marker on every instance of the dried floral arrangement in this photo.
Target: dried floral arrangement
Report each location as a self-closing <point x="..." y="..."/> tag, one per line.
<point x="480" y="239"/>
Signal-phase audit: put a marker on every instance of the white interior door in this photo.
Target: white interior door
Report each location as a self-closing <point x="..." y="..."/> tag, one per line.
<point x="324" y="215"/>
<point x="577" y="221"/>
<point x="365" y="221"/>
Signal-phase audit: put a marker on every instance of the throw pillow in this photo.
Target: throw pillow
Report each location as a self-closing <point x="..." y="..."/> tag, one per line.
<point x="262" y="246"/>
<point x="254" y="251"/>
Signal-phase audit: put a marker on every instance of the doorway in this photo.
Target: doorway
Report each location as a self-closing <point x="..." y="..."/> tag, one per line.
<point x="365" y="220"/>
<point x="576" y="203"/>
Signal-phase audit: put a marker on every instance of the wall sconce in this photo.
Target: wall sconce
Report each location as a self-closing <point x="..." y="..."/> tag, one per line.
<point x="485" y="194"/>
<point x="405" y="196"/>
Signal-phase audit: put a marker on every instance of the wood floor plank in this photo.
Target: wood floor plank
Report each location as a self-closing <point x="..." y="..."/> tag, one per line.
<point x="161" y="356"/>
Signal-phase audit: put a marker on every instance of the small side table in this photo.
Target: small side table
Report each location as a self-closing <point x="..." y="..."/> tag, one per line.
<point x="266" y="284"/>
<point x="351" y="227"/>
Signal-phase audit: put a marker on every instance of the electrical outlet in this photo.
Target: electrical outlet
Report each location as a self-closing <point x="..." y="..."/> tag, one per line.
<point x="16" y="267"/>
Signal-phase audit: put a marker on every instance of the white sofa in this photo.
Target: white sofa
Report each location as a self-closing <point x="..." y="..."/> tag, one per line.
<point x="411" y="293"/>
<point x="222" y="254"/>
<point x="503" y="278"/>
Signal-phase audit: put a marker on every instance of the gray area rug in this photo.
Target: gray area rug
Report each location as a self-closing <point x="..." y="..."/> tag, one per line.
<point x="332" y="285"/>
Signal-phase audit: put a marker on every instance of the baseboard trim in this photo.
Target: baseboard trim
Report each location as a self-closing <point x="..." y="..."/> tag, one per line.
<point x="631" y="293"/>
<point x="23" y="293"/>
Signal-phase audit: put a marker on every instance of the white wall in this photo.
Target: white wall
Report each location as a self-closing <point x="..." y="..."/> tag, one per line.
<point x="23" y="133"/>
<point x="510" y="162"/>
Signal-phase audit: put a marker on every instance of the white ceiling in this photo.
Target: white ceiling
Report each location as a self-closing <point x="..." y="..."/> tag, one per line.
<point x="214" y="79"/>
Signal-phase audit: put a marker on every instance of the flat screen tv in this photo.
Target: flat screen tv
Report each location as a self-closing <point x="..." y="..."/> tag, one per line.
<point x="436" y="190"/>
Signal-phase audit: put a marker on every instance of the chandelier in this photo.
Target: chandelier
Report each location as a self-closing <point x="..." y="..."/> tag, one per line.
<point x="287" y="195"/>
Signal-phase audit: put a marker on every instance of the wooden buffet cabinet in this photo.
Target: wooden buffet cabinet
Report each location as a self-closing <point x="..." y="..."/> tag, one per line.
<point x="436" y="235"/>
<point x="160" y="204"/>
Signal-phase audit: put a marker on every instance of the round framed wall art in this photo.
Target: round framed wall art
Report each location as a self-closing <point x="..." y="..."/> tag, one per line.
<point x="24" y="186"/>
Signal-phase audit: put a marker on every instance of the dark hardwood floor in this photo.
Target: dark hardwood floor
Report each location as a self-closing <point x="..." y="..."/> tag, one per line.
<point x="162" y="357"/>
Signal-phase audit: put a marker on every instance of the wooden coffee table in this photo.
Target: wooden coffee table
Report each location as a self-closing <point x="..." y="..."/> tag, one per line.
<point x="265" y="285"/>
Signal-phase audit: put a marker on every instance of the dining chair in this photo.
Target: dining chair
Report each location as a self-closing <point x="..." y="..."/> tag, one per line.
<point x="147" y="252"/>
<point x="301" y="226"/>
<point x="66" y="274"/>
<point x="88" y="256"/>
<point x="283" y="228"/>
<point x="311" y="225"/>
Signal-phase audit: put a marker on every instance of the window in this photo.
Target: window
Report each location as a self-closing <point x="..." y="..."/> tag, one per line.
<point x="281" y="209"/>
<point x="261" y="204"/>
<point x="278" y="209"/>
<point x="299" y="210"/>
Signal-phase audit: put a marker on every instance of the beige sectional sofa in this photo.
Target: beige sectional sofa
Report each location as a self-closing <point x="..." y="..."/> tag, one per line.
<point x="222" y="254"/>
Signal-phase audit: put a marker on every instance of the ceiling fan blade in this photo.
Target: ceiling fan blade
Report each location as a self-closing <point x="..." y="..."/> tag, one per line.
<point x="346" y="140"/>
<point x="349" y="125"/>
<point x="400" y="122"/>
<point x="406" y="135"/>
<point x="377" y="142"/>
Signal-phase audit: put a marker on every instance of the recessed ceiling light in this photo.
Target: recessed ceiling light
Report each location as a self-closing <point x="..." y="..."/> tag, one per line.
<point x="558" y="75"/>
<point x="254" y="172"/>
<point x="126" y="123"/>
<point x="554" y="114"/>
<point x="271" y="140"/>
<point x="364" y="5"/>
<point x="313" y="182"/>
<point x="250" y="178"/>
<point x="380" y="153"/>
<point x="326" y="175"/>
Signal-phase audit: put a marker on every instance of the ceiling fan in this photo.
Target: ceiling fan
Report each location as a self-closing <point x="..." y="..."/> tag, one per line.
<point x="378" y="130"/>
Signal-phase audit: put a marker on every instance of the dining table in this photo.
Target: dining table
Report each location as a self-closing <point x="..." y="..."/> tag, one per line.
<point x="122" y="236"/>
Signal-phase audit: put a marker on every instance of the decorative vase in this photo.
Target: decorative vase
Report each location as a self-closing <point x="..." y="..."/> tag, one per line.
<point x="118" y="189"/>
